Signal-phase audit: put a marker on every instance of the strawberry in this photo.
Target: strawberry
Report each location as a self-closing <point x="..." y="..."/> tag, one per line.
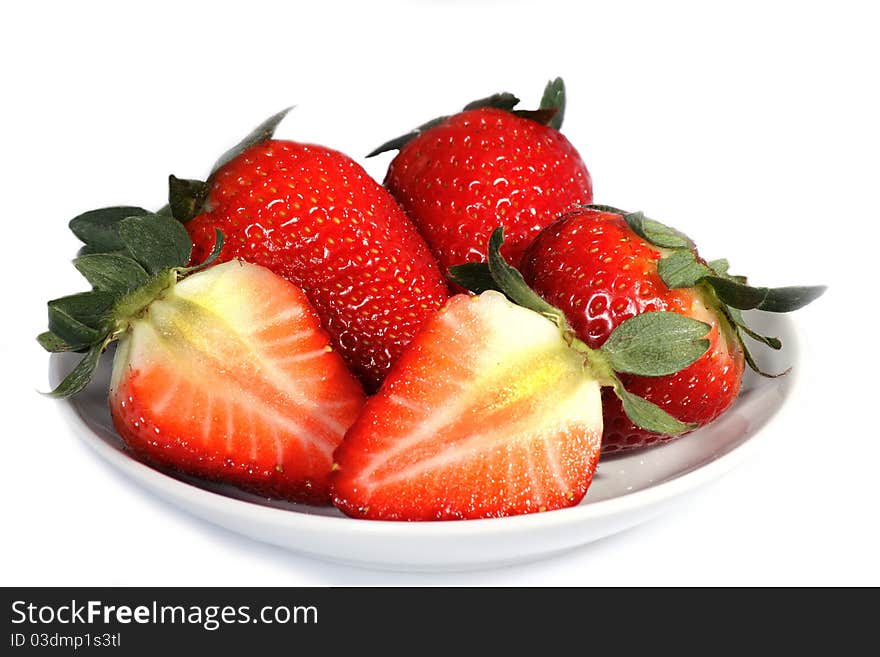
<point x="488" y="413"/>
<point x="460" y="177"/>
<point x="601" y="266"/>
<point x="224" y="373"/>
<point x="315" y="217"/>
<point x="495" y="409"/>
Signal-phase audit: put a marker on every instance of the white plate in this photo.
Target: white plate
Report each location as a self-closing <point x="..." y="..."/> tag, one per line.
<point x="626" y="490"/>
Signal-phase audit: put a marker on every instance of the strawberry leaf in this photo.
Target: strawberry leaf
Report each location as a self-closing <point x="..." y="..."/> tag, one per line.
<point x="263" y="132"/>
<point x="219" y="240"/>
<point x="98" y="229"/>
<point x="88" y="250"/>
<point x="110" y="272"/>
<point x="719" y="266"/>
<point x="753" y="365"/>
<point x="80" y="376"/>
<point x="80" y="319"/>
<point x="554" y="98"/>
<point x="542" y="116"/>
<point x="54" y="344"/>
<point x="773" y="343"/>
<point x="399" y="142"/>
<point x="473" y="276"/>
<point x="649" y="416"/>
<point x="186" y="197"/>
<point x="775" y="300"/>
<point x="656" y="233"/>
<point x="503" y="101"/>
<point x="682" y="269"/>
<point x="71" y="330"/>
<point x="604" y="208"/>
<point x="737" y="323"/>
<point x="511" y="282"/>
<point x="736" y="317"/>
<point x="656" y="344"/>
<point x="157" y="242"/>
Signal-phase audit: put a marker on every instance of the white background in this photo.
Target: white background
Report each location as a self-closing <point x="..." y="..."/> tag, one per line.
<point x="754" y="128"/>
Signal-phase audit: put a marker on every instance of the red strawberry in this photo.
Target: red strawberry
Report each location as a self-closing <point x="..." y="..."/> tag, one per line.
<point x="494" y="409"/>
<point x="601" y="266"/>
<point x="315" y="217"/>
<point x="226" y="374"/>
<point x="462" y="176"/>
<point x="488" y="413"/>
<point x="229" y="376"/>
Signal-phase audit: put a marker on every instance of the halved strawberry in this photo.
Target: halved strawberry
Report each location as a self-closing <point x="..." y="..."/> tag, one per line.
<point x="488" y="413"/>
<point x="230" y="376"/>
<point x="495" y="407"/>
<point x="225" y="374"/>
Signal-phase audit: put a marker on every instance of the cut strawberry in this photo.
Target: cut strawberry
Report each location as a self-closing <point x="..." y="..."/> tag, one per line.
<point x="488" y="413"/>
<point x="229" y="376"/>
<point x="225" y="374"/>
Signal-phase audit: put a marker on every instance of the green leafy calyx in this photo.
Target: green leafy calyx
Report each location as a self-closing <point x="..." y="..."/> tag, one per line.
<point x="511" y="282"/>
<point x="186" y="198"/>
<point x="99" y="229"/>
<point x="554" y="99"/>
<point x="656" y="343"/>
<point x="145" y="254"/>
<point x="131" y="256"/>
<point x="681" y="267"/>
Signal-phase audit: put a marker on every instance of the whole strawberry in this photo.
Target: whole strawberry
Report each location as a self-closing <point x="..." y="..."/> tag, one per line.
<point x="460" y="177"/>
<point x="315" y="217"/>
<point x="601" y="266"/>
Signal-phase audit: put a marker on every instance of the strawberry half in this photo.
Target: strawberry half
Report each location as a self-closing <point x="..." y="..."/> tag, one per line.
<point x="314" y="216"/>
<point x="602" y="266"/>
<point x="460" y="177"/>
<point x="223" y="373"/>
<point x="495" y="409"/>
<point x="488" y="413"/>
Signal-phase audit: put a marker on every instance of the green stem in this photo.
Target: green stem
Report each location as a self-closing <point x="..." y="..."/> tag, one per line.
<point x="133" y="304"/>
